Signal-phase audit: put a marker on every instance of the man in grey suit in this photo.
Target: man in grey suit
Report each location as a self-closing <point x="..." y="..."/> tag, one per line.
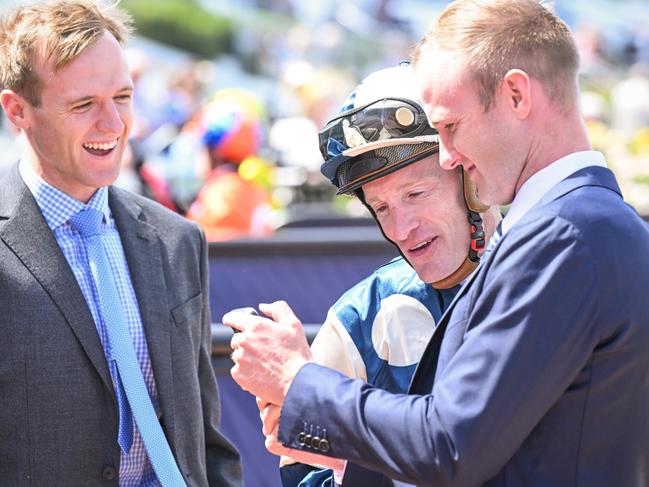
<point x="538" y="373"/>
<point x="105" y="371"/>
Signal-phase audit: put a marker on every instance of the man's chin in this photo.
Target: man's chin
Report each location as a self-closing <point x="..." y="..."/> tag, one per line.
<point x="427" y="276"/>
<point x="494" y="195"/>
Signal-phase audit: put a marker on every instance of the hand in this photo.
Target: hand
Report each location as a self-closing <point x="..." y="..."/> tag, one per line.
<point x="268" y="353"/>
<point x="270" y="414"/>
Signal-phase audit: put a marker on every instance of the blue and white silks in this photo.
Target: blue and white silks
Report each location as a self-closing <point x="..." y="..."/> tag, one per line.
<point x="377" y="331"/>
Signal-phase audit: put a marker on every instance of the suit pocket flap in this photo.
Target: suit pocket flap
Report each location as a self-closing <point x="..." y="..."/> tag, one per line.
<point x="190" y="310"/>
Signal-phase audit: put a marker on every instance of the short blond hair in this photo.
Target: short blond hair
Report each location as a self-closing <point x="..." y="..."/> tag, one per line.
<point x="495" y="36"/>
<point x="62" y="28"/>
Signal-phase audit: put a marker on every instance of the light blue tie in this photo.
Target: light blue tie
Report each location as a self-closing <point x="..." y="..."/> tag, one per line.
<point x="130" y="387"/>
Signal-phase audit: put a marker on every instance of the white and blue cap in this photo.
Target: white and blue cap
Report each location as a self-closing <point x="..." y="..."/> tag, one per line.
<point x="381" y="127"/>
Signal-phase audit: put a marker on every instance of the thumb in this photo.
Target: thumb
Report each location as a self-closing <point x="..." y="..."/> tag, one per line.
<point x="280" y="312"/>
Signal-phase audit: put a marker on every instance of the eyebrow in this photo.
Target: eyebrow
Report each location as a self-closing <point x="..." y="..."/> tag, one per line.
<point x="86" y="98"/>
<point x="405" y="186"/>
<point x="437" y="118"/>
<point x="441" y="114"/>
<point x="371" y="201"/>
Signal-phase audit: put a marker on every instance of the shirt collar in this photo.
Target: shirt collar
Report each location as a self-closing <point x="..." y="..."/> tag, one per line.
<point x="56" y="206"/>
<point x="543" y="181"/>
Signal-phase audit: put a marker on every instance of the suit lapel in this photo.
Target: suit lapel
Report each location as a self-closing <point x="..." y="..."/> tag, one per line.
<point x="26" y="233"/>
<point x="144" y="257"/>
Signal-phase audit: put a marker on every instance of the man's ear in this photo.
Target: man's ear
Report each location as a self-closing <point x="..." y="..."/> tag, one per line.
<point x="517" y="92"/>
<point x="14" y="107"/>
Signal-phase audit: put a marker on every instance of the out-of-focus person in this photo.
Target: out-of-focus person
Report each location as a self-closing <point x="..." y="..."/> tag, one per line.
<point x="630" y="101"/>
<point x="232" y="203"/>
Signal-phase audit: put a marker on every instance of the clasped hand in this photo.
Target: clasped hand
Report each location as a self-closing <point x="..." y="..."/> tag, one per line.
<point x="268" y="353"/>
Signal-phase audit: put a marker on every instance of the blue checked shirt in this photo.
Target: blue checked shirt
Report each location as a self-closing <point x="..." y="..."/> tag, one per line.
<point x="57" y="208"/>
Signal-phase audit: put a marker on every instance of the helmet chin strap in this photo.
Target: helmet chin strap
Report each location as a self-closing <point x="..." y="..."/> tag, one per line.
<point x="458" y="275"/>
<point x="474" y="207"/>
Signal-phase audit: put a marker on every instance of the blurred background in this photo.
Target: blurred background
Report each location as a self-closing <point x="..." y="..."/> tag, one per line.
<point x="229" y="98"/>
<point x="230" y="95"/>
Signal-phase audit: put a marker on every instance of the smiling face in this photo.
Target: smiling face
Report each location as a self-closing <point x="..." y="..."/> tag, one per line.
<point x="79" y="131"/>
<point x="420" y="209"/>
<point x="488" y="143"/>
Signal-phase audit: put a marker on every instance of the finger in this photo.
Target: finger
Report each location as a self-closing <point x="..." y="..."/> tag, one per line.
<point x="273" y="444"/>
<point x="261" y="403"/>
<point x="235" y="341"/>
<point x="270" y="419"/>
<point x="275" y="447"/>
<point x="280" y="312"/>
<point x="239" y="320"/>
<point x="239" y="376"/>
<point x="237" y="351"/>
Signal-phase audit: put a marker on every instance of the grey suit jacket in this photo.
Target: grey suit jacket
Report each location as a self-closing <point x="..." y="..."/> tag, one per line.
<point x="537" y="375"/>
<point x="58" y="414"/>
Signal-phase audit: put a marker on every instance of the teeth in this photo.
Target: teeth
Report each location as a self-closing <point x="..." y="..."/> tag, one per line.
<point x="421" y="245"/>
<point x="101" y="146"/>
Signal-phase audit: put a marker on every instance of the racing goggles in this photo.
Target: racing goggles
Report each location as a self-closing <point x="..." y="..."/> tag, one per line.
<point x="382" y="123"/>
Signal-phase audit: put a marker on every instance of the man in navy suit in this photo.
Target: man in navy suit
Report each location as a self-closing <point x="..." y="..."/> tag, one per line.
<point x="538" y="375"/>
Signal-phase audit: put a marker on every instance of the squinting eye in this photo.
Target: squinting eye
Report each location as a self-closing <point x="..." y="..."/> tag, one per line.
<point x="449" y="127"/>
<point x="123" y="98"/>
<point x="83" y="106"/>
<point x="381" y="210"/>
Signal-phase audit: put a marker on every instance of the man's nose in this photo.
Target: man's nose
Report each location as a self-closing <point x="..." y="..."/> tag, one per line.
<point x="110" y="119"/>
<point x="404" y="223"/>
<point x="448" y="157"/>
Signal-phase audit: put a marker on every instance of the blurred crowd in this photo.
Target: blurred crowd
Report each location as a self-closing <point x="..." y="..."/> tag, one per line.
<point x="232" y="142"/>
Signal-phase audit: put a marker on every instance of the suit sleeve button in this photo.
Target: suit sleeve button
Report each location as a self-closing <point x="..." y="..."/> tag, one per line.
<point x="109" y="473"/>
<point x="324" y="445"/>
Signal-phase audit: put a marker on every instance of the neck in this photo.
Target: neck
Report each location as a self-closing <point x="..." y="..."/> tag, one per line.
<point x="557" y="136"/>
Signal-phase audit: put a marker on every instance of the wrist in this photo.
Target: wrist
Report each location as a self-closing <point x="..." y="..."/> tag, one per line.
<point x="292" y="369"/>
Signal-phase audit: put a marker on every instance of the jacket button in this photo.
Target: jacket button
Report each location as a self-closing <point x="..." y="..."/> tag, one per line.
<point x="109" y="473"/>
<point x="324" y="445"/>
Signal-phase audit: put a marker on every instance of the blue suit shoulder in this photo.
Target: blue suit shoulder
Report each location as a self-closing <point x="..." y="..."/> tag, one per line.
<point x="603" y="225"/>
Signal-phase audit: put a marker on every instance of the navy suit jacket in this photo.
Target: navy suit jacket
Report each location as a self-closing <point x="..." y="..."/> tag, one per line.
<point x="537" y="375"/>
